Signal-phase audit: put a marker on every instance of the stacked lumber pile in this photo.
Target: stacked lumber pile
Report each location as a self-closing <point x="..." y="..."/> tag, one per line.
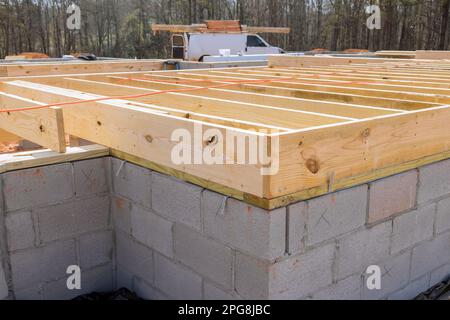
<point x="217" y="26"/>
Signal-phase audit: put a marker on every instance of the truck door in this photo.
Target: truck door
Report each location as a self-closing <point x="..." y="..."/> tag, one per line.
<point x="256" y="45"/>
<point x="178" y="47"/>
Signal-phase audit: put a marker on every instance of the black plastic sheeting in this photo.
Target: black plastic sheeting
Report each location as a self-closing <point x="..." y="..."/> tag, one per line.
<point x="120" y="295"/>
<point x="440" y="291"/>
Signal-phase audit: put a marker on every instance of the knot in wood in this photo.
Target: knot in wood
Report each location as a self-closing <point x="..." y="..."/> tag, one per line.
<point x="313" y="166"/>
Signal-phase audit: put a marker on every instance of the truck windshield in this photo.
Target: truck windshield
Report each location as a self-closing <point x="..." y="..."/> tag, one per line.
<point x="254" y="41"/>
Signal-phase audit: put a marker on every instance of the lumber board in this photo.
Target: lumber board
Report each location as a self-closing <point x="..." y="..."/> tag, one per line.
<point x="39" y="158"/>
<point x="432" y="54"/>
<point x="277" y="30"/>
<point x="318" y="158"/>
<point x="39" y="69"/>
<point x="306" y="61"/>
<point x="7" y="137"/>
<point x="396" y="54"/>
<point x="44" y="127"/>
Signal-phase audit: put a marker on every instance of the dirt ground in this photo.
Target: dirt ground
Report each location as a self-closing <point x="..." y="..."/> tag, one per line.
<point x="11" y="148"/>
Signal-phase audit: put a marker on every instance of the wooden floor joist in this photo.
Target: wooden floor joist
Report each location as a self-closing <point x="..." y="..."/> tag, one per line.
<point x="338" y="122"/>
<point x="19" y="69"/>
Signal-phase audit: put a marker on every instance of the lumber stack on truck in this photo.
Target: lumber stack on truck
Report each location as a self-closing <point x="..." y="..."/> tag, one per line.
<point x="218" y="26"/>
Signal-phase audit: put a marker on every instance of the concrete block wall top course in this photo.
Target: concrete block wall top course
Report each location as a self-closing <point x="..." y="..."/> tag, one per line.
<point x="170" y="239"/>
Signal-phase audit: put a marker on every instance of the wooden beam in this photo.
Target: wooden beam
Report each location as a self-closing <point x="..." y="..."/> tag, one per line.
<point x="32" y="159"/>
<point x="432" y="55"/>
<point x="324" y="157"/>
<point x="396" y="54"/>
<point x="44" y="127"/>
<point x="40" y="69"/>
<point x="307" y="61"/>
<point x="179" y="28"/>
<point x="266" y="30"/>
<point x="7" y="137"/>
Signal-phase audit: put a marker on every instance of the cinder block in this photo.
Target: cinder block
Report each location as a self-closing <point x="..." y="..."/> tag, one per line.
<point x="359" y="250"/>
<point x="124" y="279"/>
<point x="253" y="230"/>
<point x="302" y="275"/>
<point x="392" y="195"/>
<point x="121" y="214"/>
<point x="296" y="221"/>
<point x="96" y="249"/>
<point x="413" y="227"/>
<point x="90" y="177"/>
<point x="394" y="275"/>
<point x="336" y="214"/>
<point x="152" y="230"/>
<point x="39" y="186"/>
<point x="176" y="281"/>
<point x="97" y="280"/>
<point x="134" y="257"/>
<point x="443" y="216"/>
<point x="347" y="289"/>
<point x="73" y="218"/>
<point x="206" y="256"/>
<point x="430" y="255"/>
<point x="20" y="231"/>
<point x="33" y="293"/>
<point x="290" y="279"/>
<point x="412" y="290"/>
<point x="147" y="292"/>
<point x="434" y="181"/>
<point x="4" y="292"/>
<point x="177" y="200"/>
<point x="252" y="277"/>
<point x="38" y="265"/>
<point x="211" y="292"/>
<point x="132" y="182"/>
<point x="439" y="275"/>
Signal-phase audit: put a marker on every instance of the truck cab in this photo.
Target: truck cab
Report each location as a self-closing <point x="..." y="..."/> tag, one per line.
<point x="196" y="46"/>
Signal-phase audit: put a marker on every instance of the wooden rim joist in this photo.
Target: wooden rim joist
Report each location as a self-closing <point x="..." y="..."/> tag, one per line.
<point x="337" y="122"/>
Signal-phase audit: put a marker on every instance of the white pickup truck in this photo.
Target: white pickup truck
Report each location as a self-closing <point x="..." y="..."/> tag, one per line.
<point x="196" y="46"/>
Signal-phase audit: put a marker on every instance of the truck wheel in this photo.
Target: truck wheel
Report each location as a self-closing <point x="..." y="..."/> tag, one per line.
<point x="202" y="57"/>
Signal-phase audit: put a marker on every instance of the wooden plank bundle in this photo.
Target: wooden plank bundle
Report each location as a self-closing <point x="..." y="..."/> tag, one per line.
<point x="220" y="26"/>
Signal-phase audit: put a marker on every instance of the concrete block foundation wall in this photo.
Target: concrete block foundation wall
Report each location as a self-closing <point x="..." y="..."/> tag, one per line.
<point x="127" y="226"/>
<point x="51" y="218"/>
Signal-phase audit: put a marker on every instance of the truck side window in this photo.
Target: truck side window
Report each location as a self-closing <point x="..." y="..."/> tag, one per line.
<point x="254" y="41"/>
<point x="178" y="41"/>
